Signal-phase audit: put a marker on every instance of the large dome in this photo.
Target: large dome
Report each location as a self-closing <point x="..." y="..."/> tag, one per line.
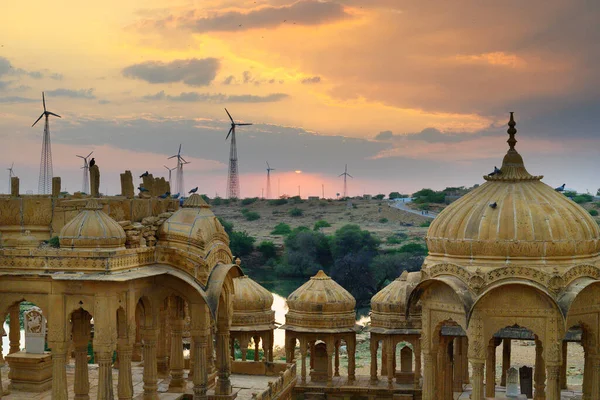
<point x="251" y="306"/>
<point x="321" y="304"/>
<point x="513" y="216"/>
<point x="388" y="306"/>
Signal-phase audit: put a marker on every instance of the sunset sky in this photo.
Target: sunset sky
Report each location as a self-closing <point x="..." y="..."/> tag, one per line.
<point x="409" y="94"/>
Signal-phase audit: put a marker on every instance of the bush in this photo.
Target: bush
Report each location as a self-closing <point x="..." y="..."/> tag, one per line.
<point x="278" y="202"/>
<point x="321" y="224"/>
<point x="267" y="248"/>
<point x="594" y="213"/>
<point x="281" y="229"/>
<point x="251" y="215"/>
<point x="241" y="244"/>
<point x="306" y="252"/>
<point x="413" y="248"/>
<point x="249" y="200"/>
<point x="393" y="240"/>
<point x="295" y="212"/>
<point x="296" y="199"/>
<point x="429" y="196"/>
<point x="383" y="220"/>
<point x="228" y="226"/>
<point x="583" y="198"/>
<point x="351" y="239"/>
<point x="425" y="224"/>
<point x="380" y="196"/>
<point x="387" y="267"/>
<point x="54" y="242"/>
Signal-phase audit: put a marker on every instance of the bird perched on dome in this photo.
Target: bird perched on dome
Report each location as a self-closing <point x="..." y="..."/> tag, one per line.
<point x="561" y="188"/>
<point x="164" y="196"/>
<point x="175" y="196"/>
<point x="496" y="172"/>
<point x="143" y="189"/>
<point x="144" y="174"/>
<point x="194" y="190"/>
<point x="494" y="205"/>
<point x="92" y="162"/>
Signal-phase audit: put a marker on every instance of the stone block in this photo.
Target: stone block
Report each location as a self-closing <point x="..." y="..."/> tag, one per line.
<point x="30" y="372"/>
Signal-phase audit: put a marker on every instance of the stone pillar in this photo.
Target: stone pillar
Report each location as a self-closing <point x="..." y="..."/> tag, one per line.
<point x="303" y="359"/>
<point x="337" y="358"/>
<point x="137" y="346"/>
<point x="244" y="341"/>
<point x="162" y="350"/>
<point x="14" y="333"/>
<point x="14" y="186"/>
<point x="81" y="337"/>
<point x="330" y="351"/>
<point x="59" y="372"/>
<point x="490" y="370"/>
<point x="506" y="347"/>
<point x="56" y="186"/>
<point x="553" y="389"/>
<point x="429" y="376"/>
<point x="465" y="364"/>
<point x="150" y="373"/>
<point x="563" y="368"/>
<point x="390" y="361"/>
<point x="477" y="381"/>
<point x="256" y="343"/>
<point x="539" y="374"/>
<point x="374" y="345"/>
<point x="459" y="359"/>
<point x="177" y="383"/>
<point x="587" y="374"/>
<point x="351" y="348"/>
<point x="95" y="181"/>
<point x="223" y="386"/>
<point x="105" y="386"/>
<point x="595" y="378"/>
<point x="448" y="370"/>
<point x="125" y="384"/>
<point x="200" y="377"/>
<point x="127" y="189"/>
<point x="211" y="350"/>
<point x="417" y="353"/>
<point x="384" y="357"/>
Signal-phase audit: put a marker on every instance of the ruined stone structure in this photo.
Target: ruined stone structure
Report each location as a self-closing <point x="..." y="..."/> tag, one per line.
<point x="127" y="188"/>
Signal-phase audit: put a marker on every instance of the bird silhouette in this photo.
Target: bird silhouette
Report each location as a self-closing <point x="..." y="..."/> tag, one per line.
<point x="494" y="205"/>
<point x="144" y="174"/>
<point x="175" y="196"/>
<point x="142" y="189"/>
<point x="194" y="190"/>
<point x="92" y="162"/>
<point x="164" y="196"/>
<point x="561" y="188"/>
<point x="496" y="172"/>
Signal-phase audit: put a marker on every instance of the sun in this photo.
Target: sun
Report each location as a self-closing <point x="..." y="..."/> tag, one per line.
<point x="298" y="171"/>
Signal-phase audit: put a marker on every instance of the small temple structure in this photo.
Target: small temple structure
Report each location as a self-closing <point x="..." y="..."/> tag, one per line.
<point x="142" y="284"/>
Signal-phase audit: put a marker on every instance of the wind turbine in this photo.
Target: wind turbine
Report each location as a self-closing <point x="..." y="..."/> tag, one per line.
<point x="269" y="169"/>
<point x="180" y="162"/>
<point x="346" y="175"/>
<point x="170" y="170"/>
<point x="233" y="180"/>
<point x="85" y="187"/>
<point x="10" y="175"/>
<point x="45" y="180"/>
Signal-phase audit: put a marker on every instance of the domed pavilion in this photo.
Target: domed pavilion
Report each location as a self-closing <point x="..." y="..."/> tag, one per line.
<point x="516" y="253"/>
<point x="253" y="318"/>
<point x="321" y="315"/>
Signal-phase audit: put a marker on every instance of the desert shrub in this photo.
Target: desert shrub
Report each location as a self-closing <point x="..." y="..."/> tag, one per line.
<point x="295" y="212"/>
<point x="383" y="220"/>
<point x="251" y="215"/>
<point x="240" y="243"/>
<point x="413" y="248"/>
<point x="321" y="224"/>
<point x="226" y="202"/>
<point x="425" y="224"/>
<point x="296" y="199"/>
<point x="205" y="198"/>
<point x="393" y="240"/>
<point x="217" y="201"/>
<point x="278" y="202"/>
<point x="54" y="242"/>
<point x="281" y="229"/>
<point x="267" y="249"/>
<point x="583" y="198"/>
<point x="249" y="200"/>
<point x="228" y="226"/>
<point x="594" y="213"/>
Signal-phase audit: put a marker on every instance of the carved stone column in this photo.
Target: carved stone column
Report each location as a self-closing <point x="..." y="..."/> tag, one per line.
<point x="150" y="373"/>
<point x="81" y="335"/>
<point x="390" y="362"/>
<point x="384" y="357"/>
<point x="351" y="347"/>
<point x="553" y="389"/>
<point x="303" y="352"/>
<point x="336" y="372"/>
<point x="587" y="375"/>
<point x="506" y="347"/>
<point x="374" y="345"/>
<point x="595" y="378"/>
<point x="223" y="386"/>
<point x="105" y="386"/>
<point x="477" y="381"/>
<point x="539" y="373"/>
<point x="490" y="370"/>
<point x="465" y="371"/>
<point x="125" y="384"/>
<point x="563" y="368"/>
<point x="176" y="362"/>
<point x="200" y="377"/>
<point x="256" y="343"/>
<point x="330" y="351"/>
<point x="14" y="334"/>
<point x="162" y="351"/>
<point x="244" y="341"/>
<point x="448" y="370"/>
<point x="429" y="375"/>
<point x="417" y="352"/>
<point x="211" y="351"/>
<point x="459" y="358"/>
<point x="59" y="372"/>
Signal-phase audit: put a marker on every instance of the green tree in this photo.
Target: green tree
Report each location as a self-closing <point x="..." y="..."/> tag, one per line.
<point x="306" y="252"/>
<point x="228" y="226"/>
<point x="387" y="267"/>
<point x="240" y="243"/>
<point x="281" y="229"/>
<point x="413" y="248"/>
<point x="295" y="212"/>
<point x="350" y="238"/>
<point x="321" y="224"/>
<point x="249" y="200"/>
<point x="267" y="248"/>
<point x="394" y="195"/>
<point x="594" y="213"/>
<point x="380" y="196"/>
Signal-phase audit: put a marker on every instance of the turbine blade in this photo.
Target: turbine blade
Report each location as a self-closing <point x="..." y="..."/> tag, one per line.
<point x="268" y="165"/>
<point x="341" y="175"/>
<point x="89" y="154"/>
<point x="37" y="120"/>
<point x="183" y="159"/>
<point x="230" y="130"/>
<point x="350" y="175"/>
<point x="44" y="101"/>
<point x="51" y="113"/>
<point x="229" y="116"/>
<point x="172" y="156"/>
<point x="243" y="124"/>
<point x="167" y="167"/>
<point x="80" y="156"/>
<point x="179" y="152"/>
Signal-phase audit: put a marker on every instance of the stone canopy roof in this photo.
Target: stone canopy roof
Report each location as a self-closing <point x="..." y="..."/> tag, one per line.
<point x="251" y="306"/>
<point x="388" y="306"/>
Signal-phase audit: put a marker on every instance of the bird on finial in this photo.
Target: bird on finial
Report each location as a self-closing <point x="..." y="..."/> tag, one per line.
<point x="494" y="205"/>
<point x="561" y="188"/>
<point x="164" y="196"/>
<point x="496" y="172"/>
<point x="144" y="174"/>
<point x="143" y="189"/>
<point x="512" y="131"/>
<point x="92" y="162"/>
<point x="194" y="190"/>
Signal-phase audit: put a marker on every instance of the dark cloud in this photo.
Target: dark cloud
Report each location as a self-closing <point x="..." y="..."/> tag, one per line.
<point x="385" y="135"/>
<point x="74" y="94"/>
<point x="193" y="72"/>
<point x="228" y="80"/>
<point x="7" y="68"/>
<point x="56" y="76"/>
<point x="312" y="79"/>
<point x="430" y="135"/>
<point x="217" y="97"/>
<point x="303" y="12"/>
<point x="16" y="99"/>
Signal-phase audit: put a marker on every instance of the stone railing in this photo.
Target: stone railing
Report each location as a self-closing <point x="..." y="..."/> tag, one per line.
<point x="280" y="388"/>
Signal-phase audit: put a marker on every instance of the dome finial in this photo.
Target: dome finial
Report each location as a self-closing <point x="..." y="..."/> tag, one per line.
<point x="512" y="131"/>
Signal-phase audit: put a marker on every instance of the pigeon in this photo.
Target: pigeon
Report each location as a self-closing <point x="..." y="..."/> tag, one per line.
<point x="164" y="196"/>
<point x="496" y="172"/>
<point x="92" y="162"/>
<point x="561" y="188"/>
<point x="494" y="205"/>
<point x="194" y="190"/>
<point x="142" y="189"/>
<point x="144" y="174"/>
<point x="175" y="196"/>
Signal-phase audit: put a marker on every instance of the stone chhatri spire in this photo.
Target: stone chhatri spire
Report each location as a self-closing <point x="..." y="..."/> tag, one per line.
<point x="511" y="132"/>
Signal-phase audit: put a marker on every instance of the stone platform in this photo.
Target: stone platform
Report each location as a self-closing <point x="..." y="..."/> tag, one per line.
<point x="29" y="372"/>
<point x="574" y="394"/>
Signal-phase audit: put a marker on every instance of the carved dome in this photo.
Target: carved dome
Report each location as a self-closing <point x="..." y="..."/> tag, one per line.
<point x="388" y="306"/>
<point x="92" y="229"/>
<point x="322" y="305"/>
<point x="512" y="217"/>
<point x="251" y="306"/>
<point x="193" y="228"/>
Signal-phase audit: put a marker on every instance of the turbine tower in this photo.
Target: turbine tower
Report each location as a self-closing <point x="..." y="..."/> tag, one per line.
<point x="269" y="169"/>
<point x="45" y="180"/>
<point x="346" y="175"/>
<point x="233" y="179"/>
<point x="10" y="175"/>
<point x="179" y="177"/>
<point x="170" y="170"/>
<point x="85" y="186"/>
